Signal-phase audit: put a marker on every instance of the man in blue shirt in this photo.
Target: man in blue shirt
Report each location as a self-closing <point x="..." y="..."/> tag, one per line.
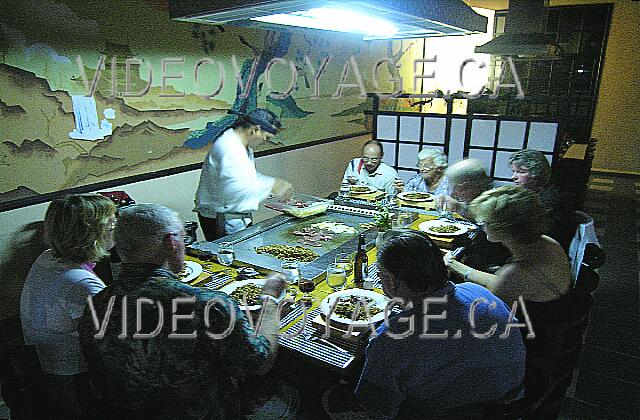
<point x="450" y="347"/>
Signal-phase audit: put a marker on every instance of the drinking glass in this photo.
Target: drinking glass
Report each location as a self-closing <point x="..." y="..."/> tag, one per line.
<point x="444" y="211"/>
<point x="397" y="222"/>
<point x="345" y="261"/>
<point x="290" y="271"/>
<point x="306" y="286"/>
<point x="190" y="229"/>
<point x="225" y="253"/>
<point x="336" y="276"/>
<point x="404" y="219"/>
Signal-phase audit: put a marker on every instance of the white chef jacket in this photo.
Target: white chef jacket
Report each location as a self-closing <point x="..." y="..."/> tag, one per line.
<point x="229" y="182"/>
<point x="381" y="179"/>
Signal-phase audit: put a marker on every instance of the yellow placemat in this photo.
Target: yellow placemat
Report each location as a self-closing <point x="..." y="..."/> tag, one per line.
<point x="208" y="268"/>
<point x="425" y="205"/>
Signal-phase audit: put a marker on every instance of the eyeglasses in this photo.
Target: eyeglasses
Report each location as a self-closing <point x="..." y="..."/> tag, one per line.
<point x="428" y="167"/>
<point x="372" y="160"/>
<point x="179" y="235"/>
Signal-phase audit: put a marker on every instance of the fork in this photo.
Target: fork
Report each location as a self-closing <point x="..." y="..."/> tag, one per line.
<point x="218" y="276"/>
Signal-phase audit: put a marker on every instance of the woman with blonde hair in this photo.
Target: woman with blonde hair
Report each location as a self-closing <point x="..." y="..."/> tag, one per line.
<point x="538" y="270"/>
<point x="79" y="229"/>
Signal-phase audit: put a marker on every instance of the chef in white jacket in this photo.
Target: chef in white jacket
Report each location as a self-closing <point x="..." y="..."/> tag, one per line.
<point x="230" y="187"/>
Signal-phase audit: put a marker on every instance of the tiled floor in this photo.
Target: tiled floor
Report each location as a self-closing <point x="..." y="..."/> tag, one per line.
<point x="607" y="384"/>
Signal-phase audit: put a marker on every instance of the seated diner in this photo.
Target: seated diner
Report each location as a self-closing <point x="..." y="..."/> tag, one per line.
<point x="538" y="269"/>
<point x="79" y="232"/>
<point x="430" y="178"/>
<point x="422" y="369"/>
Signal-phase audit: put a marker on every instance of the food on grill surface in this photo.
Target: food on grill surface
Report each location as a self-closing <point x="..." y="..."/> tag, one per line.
<point x="334" y="227"/>
<point x="445" y="229"/>
<point x="252" y="291"/>
<point x="347" y="304"/>
<point x="416" y="196"/>
<point x="312" y="237"/>
<point x="359" y="189"/>
<point x="288" y="252"/>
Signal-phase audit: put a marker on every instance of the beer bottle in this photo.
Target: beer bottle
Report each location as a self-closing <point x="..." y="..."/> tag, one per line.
<point x="361" y="263"/>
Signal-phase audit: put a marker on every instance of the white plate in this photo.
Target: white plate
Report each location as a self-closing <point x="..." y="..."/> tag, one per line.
<point x="368" y="191"/>
<point x="430" y="224"/>
<point x="379" y="300"/>
<point x="403" y="196"/>
<point x="230" y="288"/>
<point x="193" y="270"/>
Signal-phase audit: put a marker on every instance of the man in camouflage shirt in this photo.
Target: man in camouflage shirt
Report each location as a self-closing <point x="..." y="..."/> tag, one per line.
<point x="162" y="349"/>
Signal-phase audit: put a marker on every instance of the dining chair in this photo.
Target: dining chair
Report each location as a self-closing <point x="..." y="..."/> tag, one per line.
<point x="536" y="387"/>
<point x="22" y="379"/>
<point x="560" y="327"/>
<point x="584" y="248"/>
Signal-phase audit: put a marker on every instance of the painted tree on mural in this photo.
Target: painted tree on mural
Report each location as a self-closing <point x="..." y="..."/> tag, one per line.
<point x="276" y="45"/>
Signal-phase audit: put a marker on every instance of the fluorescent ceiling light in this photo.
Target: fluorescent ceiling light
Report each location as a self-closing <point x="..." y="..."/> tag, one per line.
<point x="333" y="19"/>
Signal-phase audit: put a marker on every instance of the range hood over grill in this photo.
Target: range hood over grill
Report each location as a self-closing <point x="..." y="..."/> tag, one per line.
<point x="411" y="18"/>
<point x="524" y="33"/>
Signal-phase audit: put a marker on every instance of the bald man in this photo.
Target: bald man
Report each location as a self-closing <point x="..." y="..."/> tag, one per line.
<point x="370" y="170"/>
<point x="468" y="179"/>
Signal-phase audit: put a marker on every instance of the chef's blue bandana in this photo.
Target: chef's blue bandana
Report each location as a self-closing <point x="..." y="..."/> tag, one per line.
<point x="263" y="118"/>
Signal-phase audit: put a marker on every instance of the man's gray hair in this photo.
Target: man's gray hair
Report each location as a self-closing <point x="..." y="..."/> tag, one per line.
<point x="468" y="170"/>
<point x="142" y="228"/>
<point x="439" y="158"/>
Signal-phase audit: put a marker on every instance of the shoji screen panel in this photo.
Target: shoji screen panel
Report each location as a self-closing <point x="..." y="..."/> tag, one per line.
<point x="403" y="135"/>
<point x="493" y="140"/>
<point x="490" y="139"/>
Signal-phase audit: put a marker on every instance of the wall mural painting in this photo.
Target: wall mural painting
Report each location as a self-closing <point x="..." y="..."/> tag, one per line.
<point x="92" y="92"/>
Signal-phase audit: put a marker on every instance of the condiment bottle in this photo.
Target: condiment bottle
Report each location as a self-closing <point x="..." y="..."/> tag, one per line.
<point x="345" y="189"/>
<point x="361" y="263"/>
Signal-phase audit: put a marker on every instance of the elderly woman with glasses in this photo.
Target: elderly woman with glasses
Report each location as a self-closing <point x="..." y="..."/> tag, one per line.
<point x="538" y="270"/>
<point x="79" y="229"/>
<point x="432" y="164"/>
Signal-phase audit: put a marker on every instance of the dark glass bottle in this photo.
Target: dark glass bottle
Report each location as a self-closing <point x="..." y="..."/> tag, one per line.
<point x="361" y="262"/>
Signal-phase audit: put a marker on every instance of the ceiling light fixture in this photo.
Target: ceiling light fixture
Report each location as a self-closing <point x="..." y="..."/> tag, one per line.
<point x="370" y="19"/>
<point x="334" y="19"/>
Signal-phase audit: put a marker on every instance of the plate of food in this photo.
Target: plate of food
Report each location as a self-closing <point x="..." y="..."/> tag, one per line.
<point x="253" y="290"/>
<point x="347" y="300"/>
<point x="362" y="189"/>
<point x="443" y="228"/>
<point x="190" y="270"/>
<point x="415" y="196"/>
